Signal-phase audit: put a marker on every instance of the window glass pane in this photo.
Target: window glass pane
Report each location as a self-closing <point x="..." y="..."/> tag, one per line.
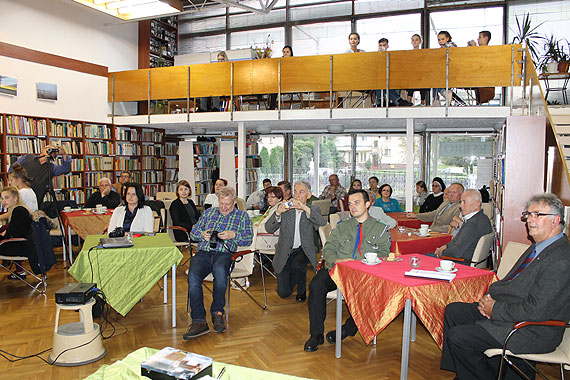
<point x="397" y="29"/>
<point x="384" y="156"/>
<point x="376" y="6"/>
<point x="465" y="25"/>
<point x="202" y="44"/>
<point x="196" y="26"/>
<point x="271" y="152"/>
<point x="203" y="12"/>
<point x="321" y="11"/>
<point x="321" y="38"/>
<point x="254" y="4"/>
<point x="252" y="19"/>
<point x="335" y="158"/>
<point x="259" y="38"/>
<point x="463" y="159"/>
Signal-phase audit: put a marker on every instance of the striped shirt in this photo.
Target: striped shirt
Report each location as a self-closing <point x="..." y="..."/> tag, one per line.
<point x="213" y="220"/>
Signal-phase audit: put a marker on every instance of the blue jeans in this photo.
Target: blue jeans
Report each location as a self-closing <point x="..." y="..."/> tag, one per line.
<point x="202" y="264"/>
<point x="393" y="95"/>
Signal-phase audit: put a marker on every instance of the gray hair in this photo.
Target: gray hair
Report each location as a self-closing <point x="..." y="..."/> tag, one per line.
<point x="103" y="180"/>
<point x="474" y="194"/>
<point x="551" y="200"/>
<point x="227" y="191"/>
<point x="304" y="183"/>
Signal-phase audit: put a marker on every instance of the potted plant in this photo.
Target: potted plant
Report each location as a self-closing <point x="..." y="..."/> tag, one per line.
<point x="564" y="61"/>
<point x="528" y="36"/>
<point x="549" y="60"/>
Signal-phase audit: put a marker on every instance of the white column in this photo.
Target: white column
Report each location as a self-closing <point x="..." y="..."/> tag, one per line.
<point x="186" y="164"/>
<point x="241" y="177"/>
<point x="316" y="159"/>
<point x="410" y="185"/>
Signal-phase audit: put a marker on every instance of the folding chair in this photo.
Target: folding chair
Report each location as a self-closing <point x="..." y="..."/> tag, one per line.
<point x="41" y="280"/>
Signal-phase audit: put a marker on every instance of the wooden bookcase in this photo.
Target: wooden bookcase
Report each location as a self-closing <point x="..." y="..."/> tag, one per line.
<point x="158" y="42"/>
<point x="96" y="150"/>
<point x="206" y="164"/>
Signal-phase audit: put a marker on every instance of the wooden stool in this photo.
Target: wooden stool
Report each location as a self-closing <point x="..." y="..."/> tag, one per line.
<point x="77" y="343"/>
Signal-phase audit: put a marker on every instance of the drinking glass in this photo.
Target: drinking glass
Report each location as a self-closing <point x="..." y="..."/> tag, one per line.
<point x="414" y="261"/>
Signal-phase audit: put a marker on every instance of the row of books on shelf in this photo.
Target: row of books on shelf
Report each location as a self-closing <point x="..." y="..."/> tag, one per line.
<point x="127" y="134"/>
<point x="206" y="162"/>
<point x="203" y="175"/>
<point x="127" y="149"/>
<point x="205" y="148"/>
<point x="100" y="147"/>
<point x="171" y="163"/>
<point x="78" y="164"/>
<point x="67" y="181"/>
<point x="21" y="125"/>
<point x="127" y="164"/>
<point x="27" y="145"/>
<point x="153" y="177"/>
<point x="253" y="162"/>
<point x="203" y="188"/>
<point x="73" y="194"/>
<point x="99" y="163"/>
<point x="251" y="187"/>
<point x="251" y="149"/>
<point x="152" y="150"/>
<point x="170" y="149"/>
<point x="65" y="128"/>
<point x="92" y="178"/>
<point x="171" y="175"/>
<point x="151" y="190"/>
<point x="71" y="147"/>
<point x="251" y="175"/>
<point x="149" y="163"/>
<point x="95" y="131"/>
<point x="152" y="136"/>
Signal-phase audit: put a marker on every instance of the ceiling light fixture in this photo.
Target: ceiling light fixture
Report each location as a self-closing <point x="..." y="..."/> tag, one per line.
<point x="134" y="9"/>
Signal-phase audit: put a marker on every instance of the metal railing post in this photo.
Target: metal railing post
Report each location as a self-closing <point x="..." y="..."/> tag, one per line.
<point x="232" y="91"/>
<point x="278" y="90"/>
<point x="512" y="78"/>
<point x="523" y="75"/>
<point x="188" y="95"/>
<point x="331" y="89"/>
<point x="113" y="98"/>
<point x="447" y="101"/>
<point x="387" y="82"/>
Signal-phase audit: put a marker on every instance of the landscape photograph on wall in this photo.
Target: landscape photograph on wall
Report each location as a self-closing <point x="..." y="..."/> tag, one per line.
<point x="8" y="86"/>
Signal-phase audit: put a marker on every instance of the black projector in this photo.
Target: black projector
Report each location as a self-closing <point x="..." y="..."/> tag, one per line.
<point x="74" y="294"/>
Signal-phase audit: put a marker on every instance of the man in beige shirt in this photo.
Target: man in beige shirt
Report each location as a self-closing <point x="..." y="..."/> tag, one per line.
<point x="444" y="214"/>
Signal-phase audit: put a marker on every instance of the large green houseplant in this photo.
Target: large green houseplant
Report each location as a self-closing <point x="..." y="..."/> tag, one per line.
<point x="528" y="36"/>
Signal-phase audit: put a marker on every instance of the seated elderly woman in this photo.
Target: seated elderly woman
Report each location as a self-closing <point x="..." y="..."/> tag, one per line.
<point x="134" y="216"/>
<point x="183" y="211"/>
<point x="388" y="204"/>
<point x="274" y="196"/>
<point x="19" y="226"/>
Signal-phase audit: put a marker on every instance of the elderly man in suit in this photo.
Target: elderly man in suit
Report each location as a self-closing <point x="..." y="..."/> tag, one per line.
<point x="536" y="289"/>
<point x="296" y="246"/>
<point x="444" y="214"/>
<point x="475" y="224"/>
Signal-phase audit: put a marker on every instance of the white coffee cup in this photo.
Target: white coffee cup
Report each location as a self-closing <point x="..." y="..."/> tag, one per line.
<point x="371" y="257"/>
<point x="424" y="229"/>
<point x="67" y="208"/>
<point x="446" y="265"/>
<point x="98" y="206"/>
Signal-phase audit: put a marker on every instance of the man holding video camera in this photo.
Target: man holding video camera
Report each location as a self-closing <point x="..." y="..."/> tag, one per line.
<point x="219" y="232"/>
<point x="38" y="168"/>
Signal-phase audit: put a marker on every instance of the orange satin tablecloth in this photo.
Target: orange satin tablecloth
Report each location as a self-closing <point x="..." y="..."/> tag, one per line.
<point x="402" y="220"/>
<point x="375" y="295"/>
<point x="403" y="244"/>
<point x="86" y="224"/>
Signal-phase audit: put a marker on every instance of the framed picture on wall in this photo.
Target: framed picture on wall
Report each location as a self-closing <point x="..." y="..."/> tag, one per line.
<point x="8" y="86"/>
<point x="46" y="91"/>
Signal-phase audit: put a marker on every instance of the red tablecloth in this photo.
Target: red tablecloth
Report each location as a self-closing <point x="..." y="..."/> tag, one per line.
<point x="403" y="220"/>
<point x="375" y="295"/>
<point x="84" y="224"/>
<point x="403" y="244"/>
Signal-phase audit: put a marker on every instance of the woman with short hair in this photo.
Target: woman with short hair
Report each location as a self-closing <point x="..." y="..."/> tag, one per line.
<point x="388" y="204"/>
<point x="212" y="200"/>
<point x="183" y="211"/>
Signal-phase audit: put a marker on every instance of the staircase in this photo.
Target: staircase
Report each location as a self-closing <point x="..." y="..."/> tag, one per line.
<point x="561" y="119"/>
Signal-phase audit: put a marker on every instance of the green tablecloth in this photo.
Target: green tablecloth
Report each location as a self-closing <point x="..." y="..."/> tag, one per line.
<point x="125" y="275"/>
<point x="130" y="368"/>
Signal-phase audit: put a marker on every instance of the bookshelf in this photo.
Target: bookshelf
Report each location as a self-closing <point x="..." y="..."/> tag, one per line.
<point x="97" y="150"/>
<point x="170" y="164"/>
<point x="206" y="164"/>
<point x="158" y="42"/>
<point x="252" y="163"/>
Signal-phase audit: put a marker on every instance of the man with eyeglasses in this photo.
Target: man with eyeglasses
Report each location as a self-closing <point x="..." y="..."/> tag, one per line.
<point x="350" y="240"/>
<point x="125" y="177"/>
<point x="537" y="288"/>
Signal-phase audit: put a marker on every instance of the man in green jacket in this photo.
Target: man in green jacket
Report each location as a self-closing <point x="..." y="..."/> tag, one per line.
<point x="350" y="240"/>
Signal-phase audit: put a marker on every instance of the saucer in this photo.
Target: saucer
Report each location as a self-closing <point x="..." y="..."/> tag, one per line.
<point x="396" y="259"/>
<point x="99" y="213"/>
<point x="68" y="210"/>
<point x="378" y="261"/>
<point x="446" y="271"/>
<point x="421" y="235"/>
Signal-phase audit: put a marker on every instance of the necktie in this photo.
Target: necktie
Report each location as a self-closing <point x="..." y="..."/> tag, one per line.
<point x="358" y="242"/>
<point x="523" y="265"/>
<point x="443" y="209"/>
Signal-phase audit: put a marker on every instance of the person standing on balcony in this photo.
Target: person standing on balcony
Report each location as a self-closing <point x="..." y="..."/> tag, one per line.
<point x="353" y="41"/>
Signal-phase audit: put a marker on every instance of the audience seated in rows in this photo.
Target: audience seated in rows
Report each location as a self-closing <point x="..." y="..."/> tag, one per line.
<point x="435" y="199"/>
<point x="134" y="215"/>
<point x="335" y="192"/>
<point x="388" y="204"/>
<point x="444" y="214"/>
<point x="104" y="195"/>
<point x="421" y="190"/>
<point x="183" y="211"/>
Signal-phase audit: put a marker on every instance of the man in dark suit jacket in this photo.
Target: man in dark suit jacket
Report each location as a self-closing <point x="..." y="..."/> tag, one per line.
<point x="475" y="225"/>
<point x="296" y="246"/>
<point x="536" y="289"/>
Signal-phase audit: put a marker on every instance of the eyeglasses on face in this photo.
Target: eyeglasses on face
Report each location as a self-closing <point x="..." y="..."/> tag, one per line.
<point x="534" y="214"/>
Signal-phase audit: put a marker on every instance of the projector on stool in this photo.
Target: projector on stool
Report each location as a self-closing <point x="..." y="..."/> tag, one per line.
<point x="74" y="294"/>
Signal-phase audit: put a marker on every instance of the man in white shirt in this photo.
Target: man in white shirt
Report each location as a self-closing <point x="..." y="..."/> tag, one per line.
<point x="256" y="200"/>
<point x="475" y="225"/>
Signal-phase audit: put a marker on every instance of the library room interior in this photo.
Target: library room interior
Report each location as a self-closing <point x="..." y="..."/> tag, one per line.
<point x="284" y="189"/>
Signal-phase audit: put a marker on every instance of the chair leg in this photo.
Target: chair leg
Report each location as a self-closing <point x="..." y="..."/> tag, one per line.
<point x="228" y="300"/>
<point x="249" y="295"/>
<point x="41" y="280"/>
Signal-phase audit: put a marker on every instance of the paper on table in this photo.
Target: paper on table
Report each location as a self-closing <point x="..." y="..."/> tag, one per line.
<point x="430" y="274"/>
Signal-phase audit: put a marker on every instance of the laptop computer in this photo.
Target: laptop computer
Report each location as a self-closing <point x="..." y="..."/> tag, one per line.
<point x="120" y="242"/>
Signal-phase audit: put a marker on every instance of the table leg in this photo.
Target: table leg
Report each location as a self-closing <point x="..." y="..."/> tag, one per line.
<point x="406" y="340"/>
<point x="338" y="323"/>
<point x="173" y="295"/>
<point x="165" y="288"/>
<point x="70" y="245"/>
<point x="413" y="327"/>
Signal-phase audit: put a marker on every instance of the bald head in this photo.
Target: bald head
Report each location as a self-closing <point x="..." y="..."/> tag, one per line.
<point x="454" y="192"/>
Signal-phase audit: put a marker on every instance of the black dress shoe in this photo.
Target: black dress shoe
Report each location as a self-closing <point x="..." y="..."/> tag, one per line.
<point x="313" y="343"/>
<point x="301" y="297"/>
<point x="331" y="335"/>
<point x="403" y="103"/>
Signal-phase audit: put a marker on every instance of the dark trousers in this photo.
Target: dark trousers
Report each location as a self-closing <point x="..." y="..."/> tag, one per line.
<point x="464" y="344"/>
<point x="320" y="285"/>
<point x="202" y="264"/>
<point x="293" y="273"/>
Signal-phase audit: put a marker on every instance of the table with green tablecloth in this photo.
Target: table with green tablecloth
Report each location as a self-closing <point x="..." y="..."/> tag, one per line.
<point x="129" y="368"/>
<point x="125" y="275"/>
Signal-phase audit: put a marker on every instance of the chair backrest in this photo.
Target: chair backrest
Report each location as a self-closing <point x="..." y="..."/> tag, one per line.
<point x="488" y="210"/>
<point x="512" y="252"/>
<point x="244" y="267"/>
<point x="240" y="204"/>
<point x="482" y="250"/>
<point x="324" y="204"/>
<point x="334" y="219"/>
<point x="165" y="195"/>
<point x="324" y="232"/>
<point x="158" y="221"/>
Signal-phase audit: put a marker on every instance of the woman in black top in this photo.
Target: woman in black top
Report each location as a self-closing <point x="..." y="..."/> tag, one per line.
<point x="434" y="200"/>
<point x="183" y="211"/>
<point x="19" y="226"/>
